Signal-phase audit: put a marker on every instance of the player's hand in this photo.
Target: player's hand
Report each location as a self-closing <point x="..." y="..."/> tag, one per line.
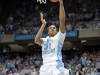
<point x="42" y="20"/>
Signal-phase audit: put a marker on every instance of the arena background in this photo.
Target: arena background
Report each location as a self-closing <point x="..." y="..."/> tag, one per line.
<point x="19" y="23"/>
<point x="9" y="6"/>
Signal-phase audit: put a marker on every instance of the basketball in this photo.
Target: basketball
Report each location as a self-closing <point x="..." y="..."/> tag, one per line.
<point x="54" y="0"/>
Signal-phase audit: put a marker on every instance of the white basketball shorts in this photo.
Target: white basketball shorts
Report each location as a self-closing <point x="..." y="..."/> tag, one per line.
<point x="53" y="68"/>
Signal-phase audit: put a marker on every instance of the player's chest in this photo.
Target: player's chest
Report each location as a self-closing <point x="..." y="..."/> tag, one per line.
<point x="51" y="40"/>
<point x="50" y="43"/>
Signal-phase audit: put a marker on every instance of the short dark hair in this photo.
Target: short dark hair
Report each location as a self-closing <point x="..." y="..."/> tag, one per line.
<point x="57" y="28"/>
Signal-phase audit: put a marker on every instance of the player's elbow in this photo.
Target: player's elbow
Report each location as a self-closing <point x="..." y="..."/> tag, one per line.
<point x="36" y="41"/>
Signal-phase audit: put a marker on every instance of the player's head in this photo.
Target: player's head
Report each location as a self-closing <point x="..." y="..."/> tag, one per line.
<point x="52" y="31"/>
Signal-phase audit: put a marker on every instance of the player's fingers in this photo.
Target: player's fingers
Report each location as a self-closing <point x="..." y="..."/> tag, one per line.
<point x="41" y="15"/>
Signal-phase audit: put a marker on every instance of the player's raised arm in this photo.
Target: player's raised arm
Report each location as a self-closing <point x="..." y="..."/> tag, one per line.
<point x="38" y="39"/>
<point x="62" y="16"/>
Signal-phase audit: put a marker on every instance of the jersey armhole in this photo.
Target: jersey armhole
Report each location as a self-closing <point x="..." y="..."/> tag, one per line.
<point x="43" y="41"/>
<point x="61" y="36"/>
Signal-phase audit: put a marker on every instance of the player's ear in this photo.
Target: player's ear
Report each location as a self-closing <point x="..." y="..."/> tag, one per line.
<point x="48" y="31"/>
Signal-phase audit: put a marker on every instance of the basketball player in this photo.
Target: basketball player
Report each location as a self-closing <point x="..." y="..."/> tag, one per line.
<point x="52" y="45"/>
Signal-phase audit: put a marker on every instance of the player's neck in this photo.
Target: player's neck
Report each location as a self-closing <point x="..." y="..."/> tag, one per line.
<point x="51" y="36"/>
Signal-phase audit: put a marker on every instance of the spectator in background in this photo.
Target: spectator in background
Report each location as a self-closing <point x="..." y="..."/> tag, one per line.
<point x="17" y="56"/>
<point x="10" y="28"/>
<point x="17" y="73"/>
<point x="25" y="31"/>
<point x="19" y="31"/>
<point x="12" y="63"/>
<point x="88" y="62"/>
<point x="4" y="51"/>
<point x="7" y="64"/>
<point x="78" y="72"/>
<point x="85" y="54"/>
<point x="83" y="61"/>
<point x="37" y="62"/>
<point x="13" y="70"/>
<point x="74" y="48"/>
<point x="1" y="71"/>
<point x="33" y="72"/>
<point x="6" y="29"/>
<point x="10" y="18"/>
<point x="10" y="73"/>
<point x="98" y="66"/>
<point x="4" y="70"/>
<point x="24" y="70"/>
<point x="94" y="57"/>
<point x="69" y="27"/>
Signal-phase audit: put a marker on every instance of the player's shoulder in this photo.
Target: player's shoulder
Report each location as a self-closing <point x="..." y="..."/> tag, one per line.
<point x="61" y="32"/>
<point x="47" y="37"/>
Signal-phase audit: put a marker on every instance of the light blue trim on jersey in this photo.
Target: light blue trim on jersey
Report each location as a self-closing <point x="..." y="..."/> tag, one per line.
<point x="60" y="66"/>
<point x="48" y="51"/>
<point x="59" y="54"/>
<point x="59" y="58"/>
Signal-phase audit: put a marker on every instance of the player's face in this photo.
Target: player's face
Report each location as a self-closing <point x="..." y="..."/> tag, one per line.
<point x="52" y="31"/>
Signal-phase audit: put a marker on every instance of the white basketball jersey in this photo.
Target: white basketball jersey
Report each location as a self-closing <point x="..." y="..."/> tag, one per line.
<point x="51" y="48"/>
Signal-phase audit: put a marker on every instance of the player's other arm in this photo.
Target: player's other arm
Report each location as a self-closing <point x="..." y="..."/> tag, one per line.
<point x="38" y="39"/>
<point x="62" y="16"/>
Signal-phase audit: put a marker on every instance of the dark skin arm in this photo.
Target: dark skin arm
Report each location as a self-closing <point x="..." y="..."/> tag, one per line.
<point x="38" y="39"/>
<point x="62" y="16"/>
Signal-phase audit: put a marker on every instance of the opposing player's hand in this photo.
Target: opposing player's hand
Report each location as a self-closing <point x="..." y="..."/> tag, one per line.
<point x="42" y="20"/>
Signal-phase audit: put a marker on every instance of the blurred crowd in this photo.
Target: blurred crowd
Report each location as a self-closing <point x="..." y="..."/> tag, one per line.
<point x="24" y="16"/>
<point x="78" y="62"/>
<point x="24" y="19"/>
<point x="84" y="63"/>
